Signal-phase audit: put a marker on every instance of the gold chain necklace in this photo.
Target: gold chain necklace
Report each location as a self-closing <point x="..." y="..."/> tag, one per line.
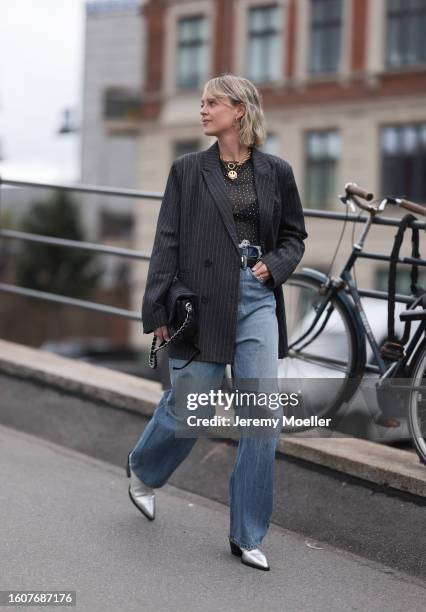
<point x="232" y="173"/>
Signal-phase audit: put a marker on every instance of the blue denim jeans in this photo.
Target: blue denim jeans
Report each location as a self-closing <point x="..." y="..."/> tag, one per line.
<point x="251" y="487"/>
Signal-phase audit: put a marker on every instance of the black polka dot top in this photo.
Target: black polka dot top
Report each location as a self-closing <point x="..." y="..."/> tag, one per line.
<point x="245" y="207"/>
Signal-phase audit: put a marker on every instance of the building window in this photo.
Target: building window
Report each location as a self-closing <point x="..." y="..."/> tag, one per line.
<point x="406" y="26"/>
<point x="404" y="161"/>
<point x="322" y="153"/>
<point x="263" y="57"/>
<point x="121" y="103"/>
<point x="181" y="147"/>
<point x="191" y="52"/>
<point x="326" y="36"/>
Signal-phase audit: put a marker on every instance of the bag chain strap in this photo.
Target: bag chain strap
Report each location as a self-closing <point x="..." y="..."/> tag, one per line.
<point x="152" y="362"/>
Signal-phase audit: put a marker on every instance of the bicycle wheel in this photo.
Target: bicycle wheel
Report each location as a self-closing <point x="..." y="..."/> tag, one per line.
<point x="327" y="348"/>
<point x="417" y="404"/>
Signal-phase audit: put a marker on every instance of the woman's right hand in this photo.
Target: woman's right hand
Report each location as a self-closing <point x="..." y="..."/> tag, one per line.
<point x="162" y="333"/>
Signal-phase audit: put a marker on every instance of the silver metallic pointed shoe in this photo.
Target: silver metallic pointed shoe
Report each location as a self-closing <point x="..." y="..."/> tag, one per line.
<point x="142" y="496"/>
<point x="253" y="558"/>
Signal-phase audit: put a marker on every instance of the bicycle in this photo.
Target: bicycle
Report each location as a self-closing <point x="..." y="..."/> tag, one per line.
<point x="328" y="328"/>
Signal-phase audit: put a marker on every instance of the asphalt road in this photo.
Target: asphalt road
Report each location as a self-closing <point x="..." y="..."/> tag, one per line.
<point x="66" y="524"/>
<point x="376" y="523"/>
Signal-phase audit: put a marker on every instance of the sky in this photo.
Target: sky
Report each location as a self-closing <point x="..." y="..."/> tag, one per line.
<point x="41" y="68"/>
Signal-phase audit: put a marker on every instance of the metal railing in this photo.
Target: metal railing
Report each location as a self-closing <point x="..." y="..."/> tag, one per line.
<point x="7" y="234"/>
<point x="75" y="244"/>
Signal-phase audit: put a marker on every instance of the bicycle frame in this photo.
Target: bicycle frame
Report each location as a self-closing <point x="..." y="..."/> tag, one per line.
<point x="345" y="280"/>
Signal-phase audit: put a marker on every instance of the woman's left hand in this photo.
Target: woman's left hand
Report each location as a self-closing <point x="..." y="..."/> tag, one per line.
<point x="261" y="272"/>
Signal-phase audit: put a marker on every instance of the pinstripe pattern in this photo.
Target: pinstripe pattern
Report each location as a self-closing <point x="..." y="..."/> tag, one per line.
<point x="196" y="237"/>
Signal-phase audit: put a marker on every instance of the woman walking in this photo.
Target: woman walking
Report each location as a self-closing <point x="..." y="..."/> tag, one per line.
<point x="231" y="227"/>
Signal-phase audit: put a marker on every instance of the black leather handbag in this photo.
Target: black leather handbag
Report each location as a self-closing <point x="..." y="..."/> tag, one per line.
<point x="182" y="311"/>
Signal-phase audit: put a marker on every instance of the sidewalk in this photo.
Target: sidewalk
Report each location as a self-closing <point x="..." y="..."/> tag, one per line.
<point x="376" y="463"/>
<point x="66" y="523"/>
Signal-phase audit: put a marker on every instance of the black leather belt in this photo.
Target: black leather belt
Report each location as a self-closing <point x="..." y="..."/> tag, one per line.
<point x="249" y="254"/>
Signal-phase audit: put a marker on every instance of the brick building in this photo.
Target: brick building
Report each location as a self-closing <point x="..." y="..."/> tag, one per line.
<point x="344" y="91"/>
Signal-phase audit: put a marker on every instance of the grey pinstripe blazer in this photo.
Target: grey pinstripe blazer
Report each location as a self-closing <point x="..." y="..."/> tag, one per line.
<point x="196" y="239"/>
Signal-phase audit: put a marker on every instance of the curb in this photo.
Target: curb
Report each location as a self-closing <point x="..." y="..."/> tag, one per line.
<point x="370" y="461"/>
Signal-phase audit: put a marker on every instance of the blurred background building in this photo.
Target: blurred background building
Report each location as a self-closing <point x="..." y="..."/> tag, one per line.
<point x="344" y="90"/>
<point x="111" y="63"/>
<point x="111" y="112"/>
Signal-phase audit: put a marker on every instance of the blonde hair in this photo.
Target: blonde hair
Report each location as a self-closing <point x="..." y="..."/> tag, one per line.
<point x="241" y="90"/>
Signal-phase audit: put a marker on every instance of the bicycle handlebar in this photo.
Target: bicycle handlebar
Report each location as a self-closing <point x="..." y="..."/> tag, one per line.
<point x="416" y="208"/>
<point x="354" y="190"/>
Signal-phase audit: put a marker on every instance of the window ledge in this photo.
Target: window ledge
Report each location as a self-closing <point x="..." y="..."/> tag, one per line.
<point x="122" y="126"/>
<point x="420" y="67"/>
<point x="275" y="84"/>
<point x="333" y="78"/>
<point x="321" y="76"/>
<point x="396" y="70"/>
